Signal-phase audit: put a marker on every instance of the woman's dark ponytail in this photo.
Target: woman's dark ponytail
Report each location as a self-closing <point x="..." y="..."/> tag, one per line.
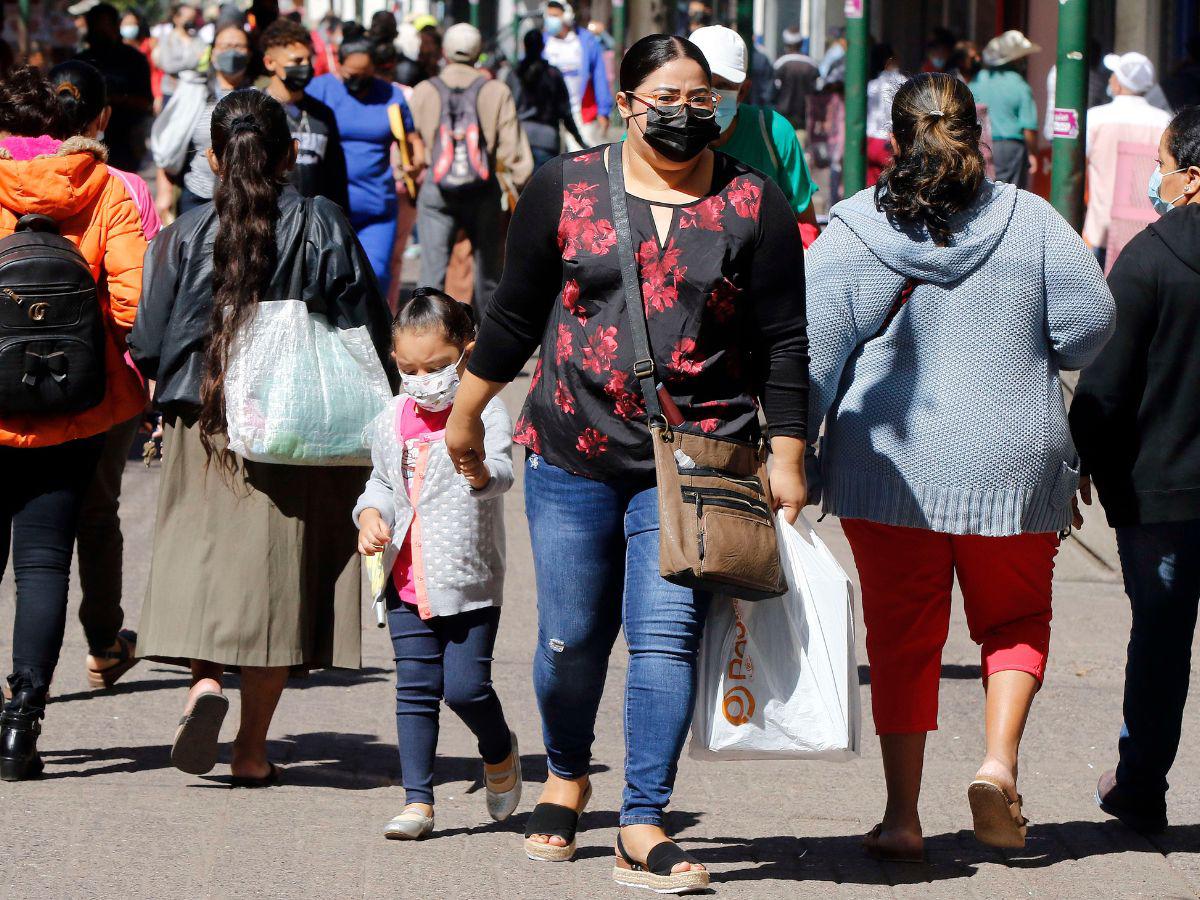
<point x="938" y="167"/>
<point x="252" y="141"/>
<point x="81" y="94"/>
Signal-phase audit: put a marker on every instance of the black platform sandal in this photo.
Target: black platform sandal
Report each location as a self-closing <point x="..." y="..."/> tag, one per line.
<point x="273" y="778"/>
<point x="554" y="820"/>
<point x="655" y="873"/>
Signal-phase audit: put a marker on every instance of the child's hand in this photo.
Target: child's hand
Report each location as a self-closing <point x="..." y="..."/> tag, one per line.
<point x="373" y="533"/>
<point x="474" y="470"/>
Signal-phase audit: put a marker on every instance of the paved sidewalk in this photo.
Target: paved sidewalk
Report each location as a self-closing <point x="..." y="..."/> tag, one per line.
<point x="111" y="818"/>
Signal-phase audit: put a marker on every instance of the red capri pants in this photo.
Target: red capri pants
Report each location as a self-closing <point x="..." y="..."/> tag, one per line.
<point x="907" y="575"/>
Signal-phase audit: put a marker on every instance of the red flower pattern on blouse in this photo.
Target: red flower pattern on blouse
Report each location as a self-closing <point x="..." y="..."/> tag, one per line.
<point x="526" y="435"/>
<point x="682" y="362"/>
<point x="591" y="443"/>
<point x="708" y="426"/>
<point x="601" y="350"/>
<point x="584" y="158"/>
<point x="577" y="232"/>
<point x="563" y="349"/>
<point x="579" y="200"/>
<point x="564" y="399"/>
<point x="721" y="301"/>
<point x="661" y="275"/>
<point x="746" y="197"/>
<point x="537" y="376"/>
<point x="626" y="403"/>
<point x="705" y="215"/>
<point x="570" y="299"/>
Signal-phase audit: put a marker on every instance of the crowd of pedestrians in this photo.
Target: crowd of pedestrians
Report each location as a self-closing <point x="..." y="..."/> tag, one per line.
<point x="902" y="368"/>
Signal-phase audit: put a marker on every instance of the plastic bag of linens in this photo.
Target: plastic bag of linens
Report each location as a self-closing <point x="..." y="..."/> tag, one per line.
<point x="301" y="391"/>
<point x="778" y="678"/>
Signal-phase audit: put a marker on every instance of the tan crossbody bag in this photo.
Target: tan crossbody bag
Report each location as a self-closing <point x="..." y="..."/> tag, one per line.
<point x="716" y="513"/>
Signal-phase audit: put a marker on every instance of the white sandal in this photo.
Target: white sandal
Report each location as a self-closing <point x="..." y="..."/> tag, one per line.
<point x="410" y="825"/>
<point x="502" y="804"/>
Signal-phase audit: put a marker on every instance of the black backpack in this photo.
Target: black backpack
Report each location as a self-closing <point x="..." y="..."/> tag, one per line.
<point x="460" y="156"/>
<point x="52" y="338"/>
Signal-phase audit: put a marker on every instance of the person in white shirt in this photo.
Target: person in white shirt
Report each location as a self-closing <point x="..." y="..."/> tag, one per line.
<point x="1129" y="118"/>
<point x="578" y="54"/>
<point x="885" y="80"/>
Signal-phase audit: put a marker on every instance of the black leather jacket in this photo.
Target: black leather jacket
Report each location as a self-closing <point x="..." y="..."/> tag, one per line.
<point x="168" y="338"/>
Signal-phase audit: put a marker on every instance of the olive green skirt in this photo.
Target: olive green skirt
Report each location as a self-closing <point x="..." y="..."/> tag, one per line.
<point x="258" y="568"/>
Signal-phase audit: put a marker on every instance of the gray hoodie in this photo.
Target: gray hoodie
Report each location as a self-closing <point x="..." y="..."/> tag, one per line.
<point x="950" y="415"/>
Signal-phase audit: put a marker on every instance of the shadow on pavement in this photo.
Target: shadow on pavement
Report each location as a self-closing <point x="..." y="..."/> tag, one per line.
<point x="840" y="859"/>
<point x="121" y="759"/>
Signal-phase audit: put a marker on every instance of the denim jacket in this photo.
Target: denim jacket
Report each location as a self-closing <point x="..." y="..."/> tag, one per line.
<point x="457" y="533"/>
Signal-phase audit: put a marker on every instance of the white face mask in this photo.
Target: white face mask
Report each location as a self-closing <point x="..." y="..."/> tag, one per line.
<point x="727" y="108"/>
<point x="433" y="392"/>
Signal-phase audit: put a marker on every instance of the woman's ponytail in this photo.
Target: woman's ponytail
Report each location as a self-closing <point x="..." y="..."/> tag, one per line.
<point x="938" y="167"/>
<point x="251" y="140"/>
<point x="81" y="95"/>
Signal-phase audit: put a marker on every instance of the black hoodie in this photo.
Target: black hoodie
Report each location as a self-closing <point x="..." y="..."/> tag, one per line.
<point x="1136" y="415"/>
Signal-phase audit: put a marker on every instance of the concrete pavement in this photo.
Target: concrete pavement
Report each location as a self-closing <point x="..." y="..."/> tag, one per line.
<point x="111" y="818"/>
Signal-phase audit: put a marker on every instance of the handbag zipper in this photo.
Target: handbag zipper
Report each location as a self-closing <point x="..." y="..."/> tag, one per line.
<point x="745" y="481"/>
<point x="722" y="498"/>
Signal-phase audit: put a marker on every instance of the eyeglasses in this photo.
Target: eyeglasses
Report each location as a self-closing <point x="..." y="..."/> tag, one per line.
<point x="670" y="104"/>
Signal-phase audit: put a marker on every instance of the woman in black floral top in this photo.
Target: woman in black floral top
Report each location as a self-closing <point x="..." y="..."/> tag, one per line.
<point x="722" y="277"/>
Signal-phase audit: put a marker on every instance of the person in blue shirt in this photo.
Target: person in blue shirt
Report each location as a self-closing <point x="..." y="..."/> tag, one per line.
<point x="360" y="102"/>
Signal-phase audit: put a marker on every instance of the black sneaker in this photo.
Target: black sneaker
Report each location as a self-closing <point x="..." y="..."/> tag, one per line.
<point x="1145" y="818"/>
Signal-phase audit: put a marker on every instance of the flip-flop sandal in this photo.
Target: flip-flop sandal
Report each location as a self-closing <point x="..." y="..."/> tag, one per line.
<point x="195" y="747"/>
<point x="655" y="873"/>
<point x="998" y="820"/>
<point x="273" y="777"/>
<point x="875" y="850"/>
<point x="554" y="820"/>
<point x="103" y="679"/>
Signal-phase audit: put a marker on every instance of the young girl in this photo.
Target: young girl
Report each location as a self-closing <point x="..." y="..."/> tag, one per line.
<point x="442" y="540"/>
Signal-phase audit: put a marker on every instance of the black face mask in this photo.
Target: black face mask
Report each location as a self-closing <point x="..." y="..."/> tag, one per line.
<point x="356" y="84"/>
<point x="296" y="78"/>
<point x="682" y="137"/>
<point x="231" y="62"/>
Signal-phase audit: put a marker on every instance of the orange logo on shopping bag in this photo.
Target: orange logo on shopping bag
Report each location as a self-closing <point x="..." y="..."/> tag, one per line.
<point x="738" y="703"/>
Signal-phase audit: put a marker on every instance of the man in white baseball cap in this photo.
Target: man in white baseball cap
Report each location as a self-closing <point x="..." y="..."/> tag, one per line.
<point x="756" y="135"/>
<point x="1128" y="118"/>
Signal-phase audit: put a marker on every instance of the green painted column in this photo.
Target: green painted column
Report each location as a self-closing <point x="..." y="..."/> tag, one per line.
<point x="858" y="51"/>
<point x="618" y="25"/>
<point x="1070" y="112"/>
<point x="474" y="11"/>
<point x="745" y="22"/>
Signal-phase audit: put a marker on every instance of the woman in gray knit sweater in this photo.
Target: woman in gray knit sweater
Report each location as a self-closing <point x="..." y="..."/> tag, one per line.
<point x="941" y="308"/>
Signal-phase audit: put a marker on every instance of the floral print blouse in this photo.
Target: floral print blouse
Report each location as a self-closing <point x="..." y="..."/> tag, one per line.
<point x="723" y="291"/>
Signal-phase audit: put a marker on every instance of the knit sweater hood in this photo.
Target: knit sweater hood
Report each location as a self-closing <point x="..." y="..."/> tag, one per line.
<point x="909" y="251"/>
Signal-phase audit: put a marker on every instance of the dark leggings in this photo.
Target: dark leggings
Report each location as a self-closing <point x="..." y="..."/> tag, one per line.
<point x="43" y="489"/>
<point x="446" y="657"/>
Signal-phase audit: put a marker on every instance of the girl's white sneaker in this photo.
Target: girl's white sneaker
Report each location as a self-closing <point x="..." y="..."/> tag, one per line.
<point x="502" y="804"/>
<point x="410" y="825"/>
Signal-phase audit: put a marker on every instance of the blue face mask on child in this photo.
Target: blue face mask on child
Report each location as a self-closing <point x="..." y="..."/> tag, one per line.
<point x="1161" y="206"/>
<point x="727" y="109"/>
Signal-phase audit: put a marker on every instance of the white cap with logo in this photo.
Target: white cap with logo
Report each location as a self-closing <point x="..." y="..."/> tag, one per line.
<point x="1133" y="70"/>
<point x="724" y="49"/>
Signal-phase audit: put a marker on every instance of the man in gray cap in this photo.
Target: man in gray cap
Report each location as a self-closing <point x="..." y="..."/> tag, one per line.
<point x="1002" y="88"/>
<point x="470" y="128"/>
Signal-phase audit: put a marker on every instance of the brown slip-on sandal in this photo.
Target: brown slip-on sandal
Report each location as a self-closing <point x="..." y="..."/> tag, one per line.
<point x="998" y="820"/>
<point x="103" y="679"/>
<point x="194" y="749"/>
<point x="875" y="850"/>
<point x="273" y="778"/>
<point x="655" y="873"/>
<point x="554" y="820"/>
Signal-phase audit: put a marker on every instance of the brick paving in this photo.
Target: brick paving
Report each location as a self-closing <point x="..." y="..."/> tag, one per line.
<point x="111" y="818"/>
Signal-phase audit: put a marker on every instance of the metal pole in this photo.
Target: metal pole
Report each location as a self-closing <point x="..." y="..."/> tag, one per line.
<point x="475" y="13"/>
<point x="854" y="167"/>
<point x="618" y="26"/>
<point x="1070" y="112"/>
<point x="745" y="22"/>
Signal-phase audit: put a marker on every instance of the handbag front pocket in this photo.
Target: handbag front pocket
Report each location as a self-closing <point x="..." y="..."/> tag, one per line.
<point x="732" y="547"/>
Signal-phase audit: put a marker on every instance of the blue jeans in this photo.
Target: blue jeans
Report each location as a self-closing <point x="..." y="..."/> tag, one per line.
<point x="1161" y="564"/>
<point x="450" y="658"/>
<point x="595" y="550"/>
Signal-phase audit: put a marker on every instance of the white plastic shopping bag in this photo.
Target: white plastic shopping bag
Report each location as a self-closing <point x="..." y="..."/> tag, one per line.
<point x="778" y="678"/>
<point x="301" y="391"/>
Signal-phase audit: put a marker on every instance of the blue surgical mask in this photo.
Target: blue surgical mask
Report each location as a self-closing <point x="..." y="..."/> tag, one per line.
<point x="552" y="24"/>
<point x="1161" y="206"/>
<point x="727" y="109"/>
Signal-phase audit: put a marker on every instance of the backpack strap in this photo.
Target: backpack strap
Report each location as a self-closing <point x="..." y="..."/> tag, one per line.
<point x="37" y="222"/>
<point x="766" y="136"/>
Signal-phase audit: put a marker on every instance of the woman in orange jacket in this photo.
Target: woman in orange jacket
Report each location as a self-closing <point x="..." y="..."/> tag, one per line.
<point x="51" y="427"/>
